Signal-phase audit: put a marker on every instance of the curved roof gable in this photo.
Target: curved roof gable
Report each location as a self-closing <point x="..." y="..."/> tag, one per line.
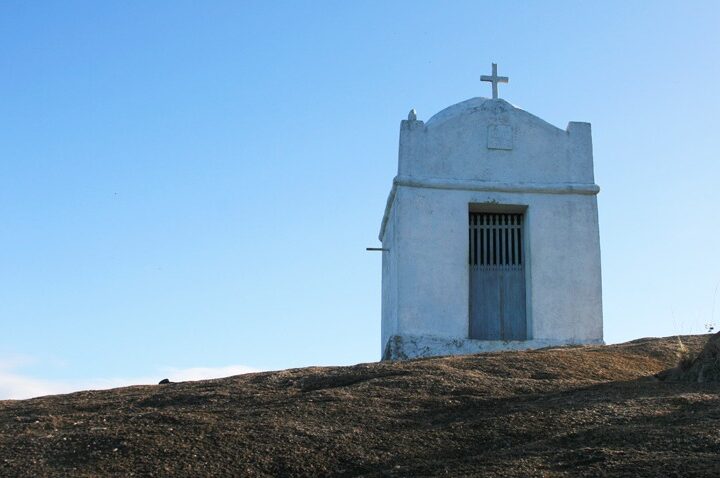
<point x="479" y="103"/>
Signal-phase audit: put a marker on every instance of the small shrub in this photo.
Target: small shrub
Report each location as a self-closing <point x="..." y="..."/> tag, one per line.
<point x="683" y="354"/>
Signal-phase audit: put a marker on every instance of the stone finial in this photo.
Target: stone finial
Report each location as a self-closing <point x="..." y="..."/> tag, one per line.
<point x="412" y="116"/>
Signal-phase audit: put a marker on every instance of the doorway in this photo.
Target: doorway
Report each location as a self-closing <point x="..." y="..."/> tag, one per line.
<point x="497" y="276"/>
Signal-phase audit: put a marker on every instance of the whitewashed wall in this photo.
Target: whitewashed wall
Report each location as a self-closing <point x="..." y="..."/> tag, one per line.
<point x="444" y="167"/>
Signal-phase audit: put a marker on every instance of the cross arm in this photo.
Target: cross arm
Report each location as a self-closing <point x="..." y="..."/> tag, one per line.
<point x="499" y="79"/>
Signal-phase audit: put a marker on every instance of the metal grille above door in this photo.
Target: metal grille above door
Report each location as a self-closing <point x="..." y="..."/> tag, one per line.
<point x="497" y="277"/>
<point x="496" y="240"/>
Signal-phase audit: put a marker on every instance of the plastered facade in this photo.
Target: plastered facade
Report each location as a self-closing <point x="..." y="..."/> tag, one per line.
<point x="488" y="156"/>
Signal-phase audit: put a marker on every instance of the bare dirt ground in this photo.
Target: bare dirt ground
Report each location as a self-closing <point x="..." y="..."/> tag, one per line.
<point x="580" y="411"/>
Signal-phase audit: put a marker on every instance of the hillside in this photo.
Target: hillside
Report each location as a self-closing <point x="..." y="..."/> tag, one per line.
<point x="592" y="411"/>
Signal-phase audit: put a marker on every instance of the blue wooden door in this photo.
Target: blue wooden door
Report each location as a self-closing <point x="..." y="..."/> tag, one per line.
<point x="497" y="277"/>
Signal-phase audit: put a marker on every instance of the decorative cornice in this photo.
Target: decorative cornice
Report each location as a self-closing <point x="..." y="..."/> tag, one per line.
<point x="486" y="186"/>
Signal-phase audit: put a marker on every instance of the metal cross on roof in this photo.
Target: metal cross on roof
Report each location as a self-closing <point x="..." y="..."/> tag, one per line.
<point x="494" y="79"/>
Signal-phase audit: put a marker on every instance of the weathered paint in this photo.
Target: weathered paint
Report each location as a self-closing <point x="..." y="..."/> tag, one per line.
<point x="489" y="156"/>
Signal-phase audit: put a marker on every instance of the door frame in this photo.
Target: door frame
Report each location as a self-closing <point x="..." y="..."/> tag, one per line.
<point x="498" y="208"/>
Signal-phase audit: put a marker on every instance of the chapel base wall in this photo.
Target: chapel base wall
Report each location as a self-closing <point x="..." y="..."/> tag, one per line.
<point x="404" y="347"/>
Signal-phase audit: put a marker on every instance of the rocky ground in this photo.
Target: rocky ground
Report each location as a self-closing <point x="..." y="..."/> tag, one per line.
<point x="580" y="411"/>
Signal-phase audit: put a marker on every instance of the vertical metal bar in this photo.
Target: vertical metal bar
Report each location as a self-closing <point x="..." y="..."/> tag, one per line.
<point x="514" y="240"/>
<point x="497" y="240"/>
<point x="502" y="239"/>
<point x="482" y="242"/>
<point x="481" y="238"/>
<point x="511" y="245"/>
<point x="518" y="233"/>
<point x="487" y="240"/>
<point x="498" y="244"/>
<point x="506" y="259"/>
<point x="520" y="241"/>
<point x="492" y="240"/>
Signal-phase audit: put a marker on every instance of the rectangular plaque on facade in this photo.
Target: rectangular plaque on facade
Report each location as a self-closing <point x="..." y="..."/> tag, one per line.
<point x="499" y="136"/>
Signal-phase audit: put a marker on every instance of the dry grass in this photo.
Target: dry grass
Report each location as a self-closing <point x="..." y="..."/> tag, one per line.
<point x="684" y="357"/>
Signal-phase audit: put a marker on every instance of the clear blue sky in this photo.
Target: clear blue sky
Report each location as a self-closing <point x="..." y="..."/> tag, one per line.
<point x="188" y="184"/>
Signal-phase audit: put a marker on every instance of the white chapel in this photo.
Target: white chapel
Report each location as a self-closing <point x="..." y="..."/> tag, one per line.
<point x="490" y="237"/>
